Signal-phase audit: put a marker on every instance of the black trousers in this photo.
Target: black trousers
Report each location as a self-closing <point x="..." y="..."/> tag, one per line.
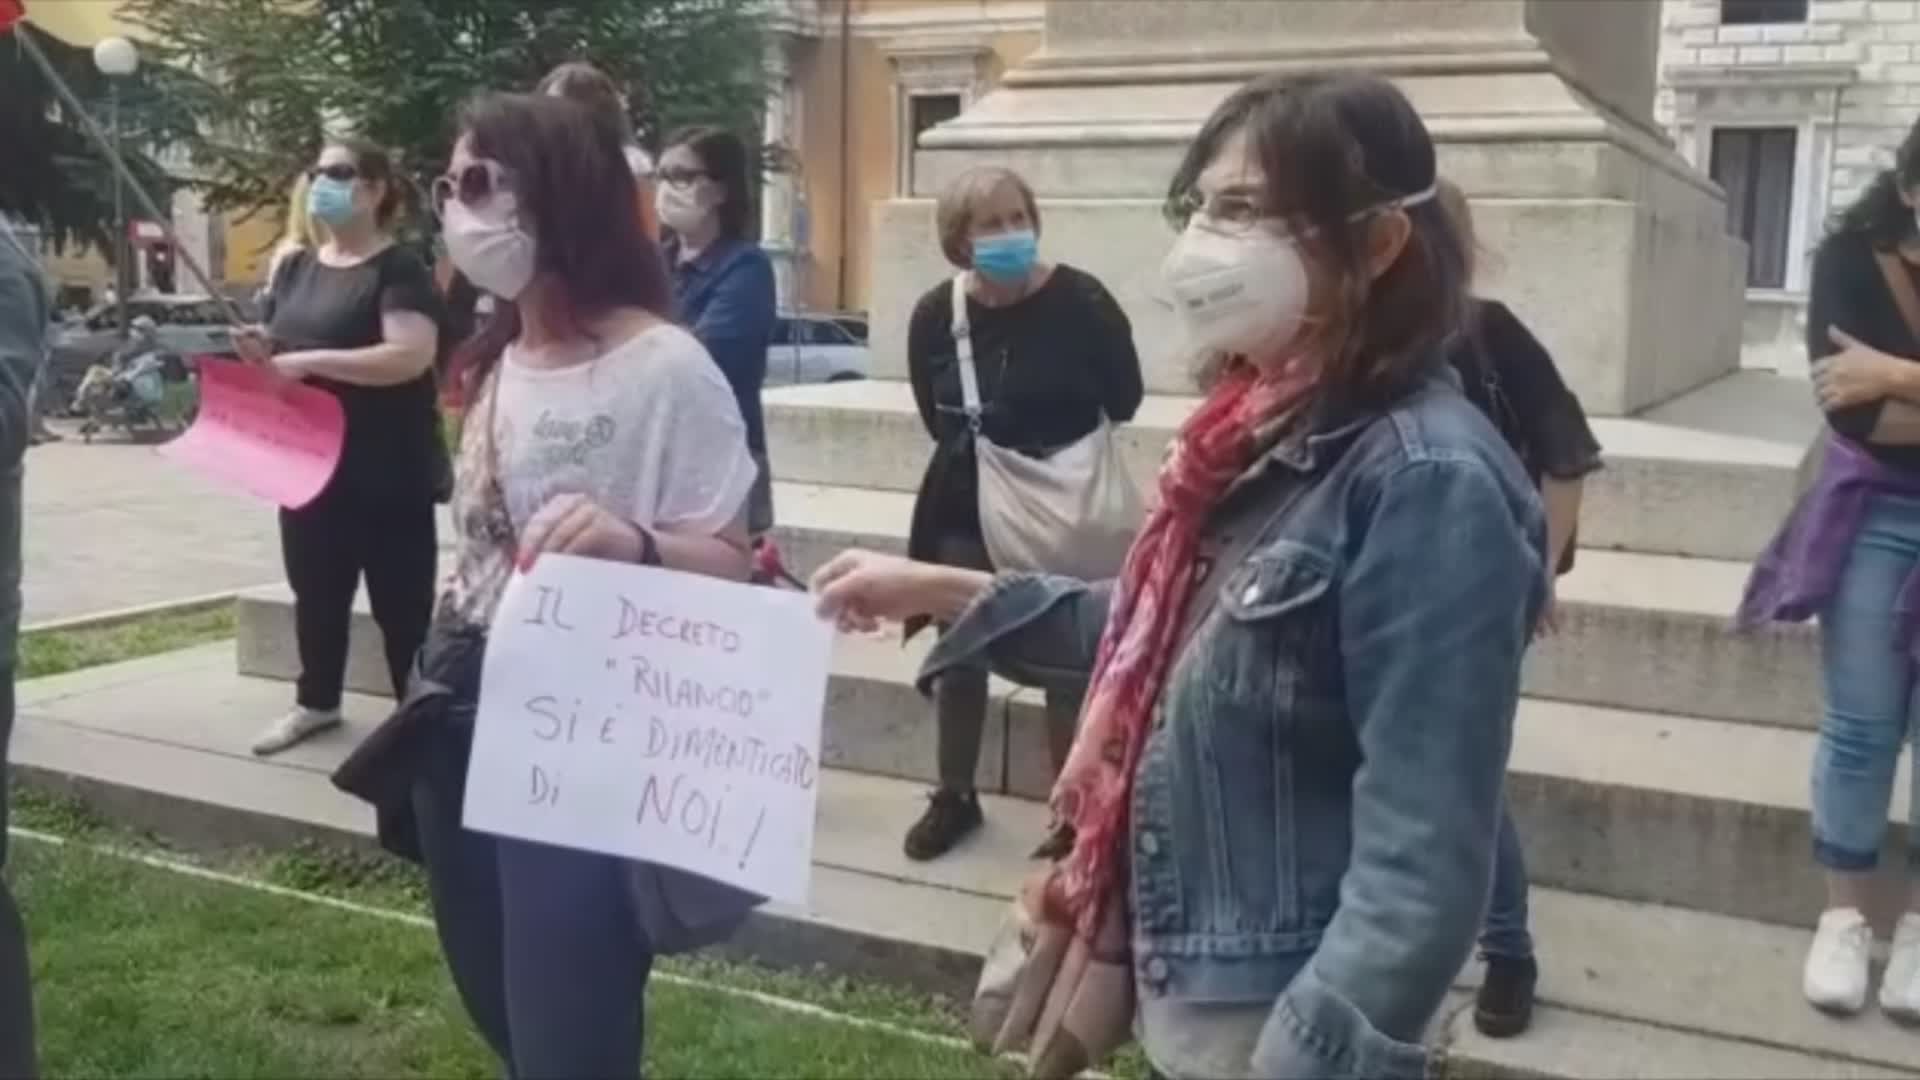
<point x="328" y="546"/>
<point x="17" y="1054"/>
<point x="960" y="696"/>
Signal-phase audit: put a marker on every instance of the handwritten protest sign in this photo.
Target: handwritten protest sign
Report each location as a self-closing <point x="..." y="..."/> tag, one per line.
<point x="655" y="715"/>
<point x="276" y="440"/>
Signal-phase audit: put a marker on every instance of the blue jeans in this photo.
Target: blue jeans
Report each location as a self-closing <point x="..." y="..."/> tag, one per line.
<point x="1869" y="687"/>
<point x="1504" y="933"/>
<point x="542" y="942"/>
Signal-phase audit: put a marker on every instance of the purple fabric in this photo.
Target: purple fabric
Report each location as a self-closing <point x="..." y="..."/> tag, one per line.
<point x="1800" y="568"/>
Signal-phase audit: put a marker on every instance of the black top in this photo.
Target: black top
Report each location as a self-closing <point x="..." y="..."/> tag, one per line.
<point x="1850" y="292"/>
<point x="1510" y="376"/>
<point x="393" y="443"/>
<point x="1050" y="366"/>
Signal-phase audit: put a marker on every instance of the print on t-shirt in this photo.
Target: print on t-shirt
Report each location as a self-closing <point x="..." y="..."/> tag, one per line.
<point x="648" y="430"/>
<point x="559" y="441"/>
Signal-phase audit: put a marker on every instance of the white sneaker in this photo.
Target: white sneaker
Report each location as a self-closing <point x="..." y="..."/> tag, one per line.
<point x="1900" y="986"/>
<point x="1836" y="973"/>
<point x="299" y="725"/>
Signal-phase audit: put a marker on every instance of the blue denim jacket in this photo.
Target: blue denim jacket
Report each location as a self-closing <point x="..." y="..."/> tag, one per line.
<point x="1314" y="812"/>
<point x="727" y="298"/>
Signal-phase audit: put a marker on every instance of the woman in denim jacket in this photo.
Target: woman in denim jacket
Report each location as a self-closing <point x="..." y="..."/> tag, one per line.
<point x="1287" y="779"/>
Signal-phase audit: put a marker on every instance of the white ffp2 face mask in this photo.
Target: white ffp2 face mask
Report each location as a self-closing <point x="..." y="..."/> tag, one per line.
<point x="1241" y="293"/>
<point x="679" y="207"/>
<point x="491" y="249"/>
<point x="1244" y="290"/>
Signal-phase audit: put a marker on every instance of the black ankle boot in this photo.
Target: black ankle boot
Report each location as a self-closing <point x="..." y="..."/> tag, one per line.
<point x="1504" y="1006"/>
<point x="949" y="818"/>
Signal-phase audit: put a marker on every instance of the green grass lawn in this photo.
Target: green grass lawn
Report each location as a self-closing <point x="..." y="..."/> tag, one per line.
<point x="375" y="879"/>
<point x="415" y="1026"/>
<point x="141" y="971"/>
<point x="56" y="652"/>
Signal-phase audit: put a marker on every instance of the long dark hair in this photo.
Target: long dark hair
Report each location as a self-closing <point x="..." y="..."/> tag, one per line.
<point x="725" y="158"/>
<point x="1333" y="146"/>
<point x="579" y="198"/>
<point x="1880" y="212"/>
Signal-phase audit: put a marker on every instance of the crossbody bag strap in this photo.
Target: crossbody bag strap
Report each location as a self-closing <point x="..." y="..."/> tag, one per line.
<point x="496" y="489"/>
<point x="963" y="352"/>
<point x="1900" y="284"/>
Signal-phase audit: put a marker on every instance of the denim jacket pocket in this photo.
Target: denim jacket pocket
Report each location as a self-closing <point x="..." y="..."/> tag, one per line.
<point x="1253" y="668"/>
<point x="1269" y="629"/>
<point x="1276" y="580"/>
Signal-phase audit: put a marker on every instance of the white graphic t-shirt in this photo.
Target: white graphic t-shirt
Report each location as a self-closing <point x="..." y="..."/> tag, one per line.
<point x="649" y="430"/>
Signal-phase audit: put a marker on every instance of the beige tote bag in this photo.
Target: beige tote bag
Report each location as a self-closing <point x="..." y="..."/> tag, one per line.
<point x="1073" y="512"/>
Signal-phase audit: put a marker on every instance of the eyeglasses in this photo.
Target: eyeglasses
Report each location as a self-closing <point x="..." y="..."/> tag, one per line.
<point x="1237" y="209"/>
<point x="475" y="185"/>
<point x="1241" y="210"/>
<point x="339" y="171"/>
<point x="681" y="177"/>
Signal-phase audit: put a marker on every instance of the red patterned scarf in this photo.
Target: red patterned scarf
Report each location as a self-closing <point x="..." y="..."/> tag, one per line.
<point x="1214" y="447"/>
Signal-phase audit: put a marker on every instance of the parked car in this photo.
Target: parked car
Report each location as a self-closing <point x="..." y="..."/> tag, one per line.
<point x="817" y="348"/>
<point x="187" y="326"/>
<point x="852" y="324"/>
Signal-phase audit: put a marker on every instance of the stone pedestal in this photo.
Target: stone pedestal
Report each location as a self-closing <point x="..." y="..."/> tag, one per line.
<point x="1596" y="232"/>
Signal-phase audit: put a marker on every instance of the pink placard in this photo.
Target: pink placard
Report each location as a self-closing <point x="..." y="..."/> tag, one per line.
<point x="268" y="437"/>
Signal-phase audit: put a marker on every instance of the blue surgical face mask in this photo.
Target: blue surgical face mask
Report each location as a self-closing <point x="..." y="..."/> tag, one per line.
<point x="330" y="201"/>
<point x="1006" y="257"/>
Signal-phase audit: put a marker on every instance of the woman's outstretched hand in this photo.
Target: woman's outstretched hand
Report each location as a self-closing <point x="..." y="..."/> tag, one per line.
<point x="860" y="590"/>
<point x="252" y="344"/>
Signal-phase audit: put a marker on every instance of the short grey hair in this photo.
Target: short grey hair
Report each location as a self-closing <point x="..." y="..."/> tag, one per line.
<point x="953" y="214"/>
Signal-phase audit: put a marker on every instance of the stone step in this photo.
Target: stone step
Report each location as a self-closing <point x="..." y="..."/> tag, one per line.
<point x="1709" y="475"/>
<point x="1629" y="990"/>
<point x="1681" y="810"/>
<point x="1644" y="991"/>
<point x="1643" y="632"/>
<point x="1569" y="1044"/>
<point x="1639" y="631"/>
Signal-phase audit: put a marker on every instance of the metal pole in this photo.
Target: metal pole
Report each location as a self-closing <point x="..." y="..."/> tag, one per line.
<point x="120" y="246"/>
<point x="140" y="196"/>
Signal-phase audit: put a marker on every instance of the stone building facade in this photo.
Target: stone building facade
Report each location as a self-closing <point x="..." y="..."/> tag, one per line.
<point x="852" y="85"/>
<point x="1791" y="106"/>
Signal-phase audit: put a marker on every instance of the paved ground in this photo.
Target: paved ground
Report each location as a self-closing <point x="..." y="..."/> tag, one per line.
<point x="114" y="525"/>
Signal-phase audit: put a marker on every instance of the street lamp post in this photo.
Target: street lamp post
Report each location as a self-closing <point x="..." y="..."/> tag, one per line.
<point x="117" y="58"/>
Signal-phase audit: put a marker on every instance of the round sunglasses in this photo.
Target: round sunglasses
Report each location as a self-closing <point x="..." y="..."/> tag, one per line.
<point x="474" y="185"/>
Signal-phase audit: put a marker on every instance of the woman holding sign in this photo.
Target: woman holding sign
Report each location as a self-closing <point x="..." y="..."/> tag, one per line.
<point x="1286" y="783"/>
<point x="596" y="428"/>
<point x="357" y="316"/>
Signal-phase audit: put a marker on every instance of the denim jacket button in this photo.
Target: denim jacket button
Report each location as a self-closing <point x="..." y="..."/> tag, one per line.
<point x="1156" y="970"/>
<point x="1149" y="844"/>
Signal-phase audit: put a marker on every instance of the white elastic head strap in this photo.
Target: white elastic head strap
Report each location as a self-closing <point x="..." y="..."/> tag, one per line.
<point x="1404" y="202"/>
